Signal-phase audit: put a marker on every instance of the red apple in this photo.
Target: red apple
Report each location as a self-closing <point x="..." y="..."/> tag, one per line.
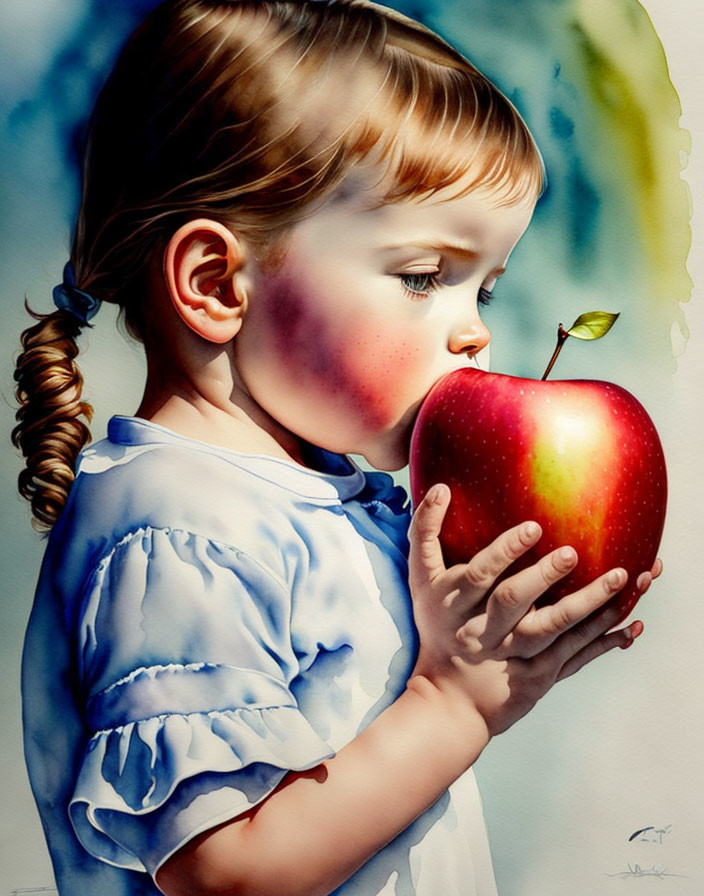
<point x="580" y="457"/>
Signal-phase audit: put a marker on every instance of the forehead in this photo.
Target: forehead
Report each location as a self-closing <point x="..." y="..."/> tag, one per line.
<point x="356" y="215"/>
<point x="372" y="182"/>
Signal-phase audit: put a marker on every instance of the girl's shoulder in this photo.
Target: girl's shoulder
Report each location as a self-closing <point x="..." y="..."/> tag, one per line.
<point x="143" y="478"/>
<point x="146" y="473"/>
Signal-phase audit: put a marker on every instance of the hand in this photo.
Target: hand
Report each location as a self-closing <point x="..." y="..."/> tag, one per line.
<point x="492" y="649"/>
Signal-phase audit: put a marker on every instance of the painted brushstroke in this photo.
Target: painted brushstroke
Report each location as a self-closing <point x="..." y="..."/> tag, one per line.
<point x="591" y="78"/>
<point x="613" y="229"/>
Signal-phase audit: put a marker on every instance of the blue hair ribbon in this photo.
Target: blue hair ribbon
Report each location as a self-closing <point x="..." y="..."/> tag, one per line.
<point x="68" y="297"/>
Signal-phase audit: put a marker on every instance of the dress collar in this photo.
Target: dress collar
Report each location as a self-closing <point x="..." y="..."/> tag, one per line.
<point x="339" y="478"/>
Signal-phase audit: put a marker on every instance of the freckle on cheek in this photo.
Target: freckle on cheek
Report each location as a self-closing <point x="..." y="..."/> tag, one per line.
<point x="349" y="361"/>
<point x="381" y="376"/>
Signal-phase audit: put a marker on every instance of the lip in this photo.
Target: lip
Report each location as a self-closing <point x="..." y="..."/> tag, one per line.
<point x="409" y="419"/>
<point x="473" y="364"/>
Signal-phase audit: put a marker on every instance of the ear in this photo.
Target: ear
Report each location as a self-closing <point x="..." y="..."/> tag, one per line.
<point x="203" y="270"/>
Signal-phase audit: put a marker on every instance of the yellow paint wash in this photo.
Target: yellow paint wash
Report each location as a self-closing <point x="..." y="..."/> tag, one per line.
<point x="627" y="75"/>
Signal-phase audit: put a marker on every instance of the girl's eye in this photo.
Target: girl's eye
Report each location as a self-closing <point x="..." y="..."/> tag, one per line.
<point x="484" y="297"/>
<point x="419" y="285"/>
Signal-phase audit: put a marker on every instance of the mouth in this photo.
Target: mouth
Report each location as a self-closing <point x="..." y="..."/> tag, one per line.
<point x="405" y="426"/>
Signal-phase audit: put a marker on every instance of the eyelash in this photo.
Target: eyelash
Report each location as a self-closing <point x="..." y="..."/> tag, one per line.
<point x="414" y="288"/>
<point x="430" y="284"/>
<point x="485" y="296"/>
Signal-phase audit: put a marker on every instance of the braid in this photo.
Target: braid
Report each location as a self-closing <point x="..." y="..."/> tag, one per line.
<point x="49" y="432"/>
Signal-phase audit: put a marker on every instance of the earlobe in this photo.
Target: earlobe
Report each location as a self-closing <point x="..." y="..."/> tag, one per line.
<point x="203" y="272"/>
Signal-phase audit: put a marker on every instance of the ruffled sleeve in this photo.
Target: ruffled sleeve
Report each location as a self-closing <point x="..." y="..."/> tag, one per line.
<point x="186" y="662"/>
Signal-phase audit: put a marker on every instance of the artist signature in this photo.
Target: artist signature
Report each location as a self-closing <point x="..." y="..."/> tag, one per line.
<point x="639" y="871"/>
<point x="650" y="834"/>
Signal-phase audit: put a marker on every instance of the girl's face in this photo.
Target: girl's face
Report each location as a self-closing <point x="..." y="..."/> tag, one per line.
<point x="370" y="306"/>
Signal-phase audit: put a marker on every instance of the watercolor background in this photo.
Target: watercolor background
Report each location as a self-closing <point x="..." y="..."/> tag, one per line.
<point x="619" y="748"/>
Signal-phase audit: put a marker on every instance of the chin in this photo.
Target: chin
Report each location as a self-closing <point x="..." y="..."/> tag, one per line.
<point x="387" y="466"/>
<point x="388" y="458"/>
<point x="390" y="450"/>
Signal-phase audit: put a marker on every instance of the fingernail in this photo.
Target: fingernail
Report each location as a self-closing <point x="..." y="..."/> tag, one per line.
<point x="436" y="493"/>
<point x="634" y="630"/>
<point x="566" y="556"/>
<point x="615" y="579"/>
<point x="643" y="582"/>
<point x="531" y="529"/>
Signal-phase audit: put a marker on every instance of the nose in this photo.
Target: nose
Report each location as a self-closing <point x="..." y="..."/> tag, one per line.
<point x="469" y="338"/>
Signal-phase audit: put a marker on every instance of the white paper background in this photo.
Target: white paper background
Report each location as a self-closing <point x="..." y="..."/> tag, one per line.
<point x="620" y="748"/>
<point x="611" y="752"/>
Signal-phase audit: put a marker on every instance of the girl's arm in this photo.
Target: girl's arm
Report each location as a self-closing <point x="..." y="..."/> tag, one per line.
<point x="483" y="663"/>
<point x="318" y="827"/>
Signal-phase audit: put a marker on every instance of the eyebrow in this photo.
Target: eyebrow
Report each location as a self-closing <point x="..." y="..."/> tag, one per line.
<point x="459" y="249"/>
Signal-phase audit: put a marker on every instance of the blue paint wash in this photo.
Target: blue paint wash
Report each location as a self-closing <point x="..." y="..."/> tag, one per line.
<point x="531" y="50"/>
<point x="584" y="215"/>
<point x="536" y="52"/>
<point x="561" y="124"/>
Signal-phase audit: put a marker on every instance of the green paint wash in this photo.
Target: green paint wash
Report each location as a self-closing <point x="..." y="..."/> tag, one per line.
<point x="612" y="230"/>
<point x="626" y="72"/>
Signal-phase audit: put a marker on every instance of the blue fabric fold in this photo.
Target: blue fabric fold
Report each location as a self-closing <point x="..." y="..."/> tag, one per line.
<point x="136" y="768"/>
<point x="388" y="504"/>
<point x="215" y="637"/>
<point x="176" y="688"/>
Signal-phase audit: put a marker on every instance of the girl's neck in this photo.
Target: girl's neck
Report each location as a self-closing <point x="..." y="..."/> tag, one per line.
<point x="214" y="407"/>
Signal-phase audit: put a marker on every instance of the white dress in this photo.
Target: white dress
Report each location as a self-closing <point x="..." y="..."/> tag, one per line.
<point x="206" y="621"/>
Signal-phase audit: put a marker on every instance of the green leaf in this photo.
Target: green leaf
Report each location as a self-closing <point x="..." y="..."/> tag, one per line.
<point x="592" y="325"/>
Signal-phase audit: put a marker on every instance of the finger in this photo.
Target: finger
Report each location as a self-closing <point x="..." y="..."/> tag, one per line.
<point x="571" y="622"/>
<point x="622" y="638"/>
<point x="645" y="579"/>
<point x="425" y="557"/>
<point x="513" y="597"/>
<point x="487" y="565"/>
<point x="594" y="624"/>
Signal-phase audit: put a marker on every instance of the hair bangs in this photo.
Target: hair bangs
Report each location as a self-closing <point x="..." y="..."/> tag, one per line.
<point x="255" y="112"/>
<point x="438" y="127"/>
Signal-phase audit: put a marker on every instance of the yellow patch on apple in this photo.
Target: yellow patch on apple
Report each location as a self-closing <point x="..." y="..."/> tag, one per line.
<point x="568" y="468"/>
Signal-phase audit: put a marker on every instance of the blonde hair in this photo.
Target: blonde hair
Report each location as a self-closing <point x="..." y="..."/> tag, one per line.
<point x="249" y="113"/>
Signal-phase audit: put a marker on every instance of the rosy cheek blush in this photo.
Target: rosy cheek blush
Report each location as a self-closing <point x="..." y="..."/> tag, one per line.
<point x="384" y="366"/>
<point x="354" y="366"/>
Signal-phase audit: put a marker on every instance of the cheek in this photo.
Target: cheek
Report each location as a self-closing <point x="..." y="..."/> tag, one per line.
<point x="384" y="365"/>
<point x="339" y="352"/>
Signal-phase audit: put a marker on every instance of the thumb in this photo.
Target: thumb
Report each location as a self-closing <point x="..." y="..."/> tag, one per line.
<point x="425" y="558"/>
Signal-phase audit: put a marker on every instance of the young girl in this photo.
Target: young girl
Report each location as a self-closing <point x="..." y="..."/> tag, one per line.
<point x="241" y="673"/>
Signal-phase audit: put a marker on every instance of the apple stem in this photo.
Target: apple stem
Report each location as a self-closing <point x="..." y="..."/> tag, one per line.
<point x="562" y="335"/>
